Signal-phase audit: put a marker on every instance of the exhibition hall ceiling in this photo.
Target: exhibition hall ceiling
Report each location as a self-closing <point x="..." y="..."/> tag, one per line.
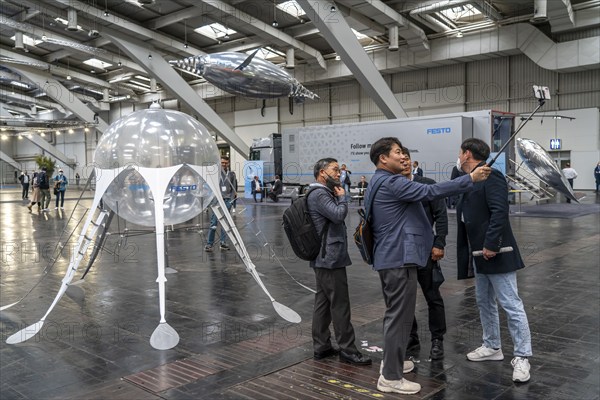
<point x="68" y="39"/>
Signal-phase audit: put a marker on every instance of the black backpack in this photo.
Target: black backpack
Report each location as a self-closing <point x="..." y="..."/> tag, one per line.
<point x="301" y="231"/>
<point x="363" y="235"/>
<point x="43" y="180"/>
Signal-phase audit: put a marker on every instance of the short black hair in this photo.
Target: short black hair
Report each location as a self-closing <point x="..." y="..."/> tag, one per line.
<point x="383" y="146"/>
<point x="406" y="152"/>
<point x="224" y="158"/>
<point x="477" y="147"/>
<point x="323" y="163"/>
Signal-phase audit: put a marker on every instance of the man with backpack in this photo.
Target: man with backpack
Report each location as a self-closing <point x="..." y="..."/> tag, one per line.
<point x="328" y="208"/>
<point x="44" y="185"/>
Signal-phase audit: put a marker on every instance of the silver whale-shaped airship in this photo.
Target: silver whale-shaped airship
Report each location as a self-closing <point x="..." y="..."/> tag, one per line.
<point x="543" y="166"/>
<point x="246" y="75"/>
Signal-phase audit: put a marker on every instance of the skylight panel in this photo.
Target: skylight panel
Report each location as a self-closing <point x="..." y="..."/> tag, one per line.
<point x="215" y="31"/>
<point x="463" y="12"/>
<point x="94" y="62"/>
<point x="265" y="53"/>
<point x="292" y="8"/>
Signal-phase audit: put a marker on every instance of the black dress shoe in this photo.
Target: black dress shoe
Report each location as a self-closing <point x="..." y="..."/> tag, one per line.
<point x="355" y="358"/>
<point x="413" y="344"/>
<point x="437" y="349"/>
<point x="319" y="355"/>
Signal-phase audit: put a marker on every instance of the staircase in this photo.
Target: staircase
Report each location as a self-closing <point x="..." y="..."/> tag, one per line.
<point x="524" y="179"/>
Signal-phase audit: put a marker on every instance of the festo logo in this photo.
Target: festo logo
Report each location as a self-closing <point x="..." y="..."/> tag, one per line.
<point x="438" y="131"/>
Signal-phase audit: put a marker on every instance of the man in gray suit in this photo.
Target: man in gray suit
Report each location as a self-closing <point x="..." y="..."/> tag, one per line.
<point x="328" y="208"/>
<point x="403" y="240"/>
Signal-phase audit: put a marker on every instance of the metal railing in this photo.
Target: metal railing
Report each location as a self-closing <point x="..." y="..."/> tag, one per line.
<point x="526" y="180"/>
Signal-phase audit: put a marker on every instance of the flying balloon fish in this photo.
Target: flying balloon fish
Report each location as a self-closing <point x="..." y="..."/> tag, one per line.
<point x="140" y="159"/>
<point x="544" y="167"/>
<point x="246" y="75"/>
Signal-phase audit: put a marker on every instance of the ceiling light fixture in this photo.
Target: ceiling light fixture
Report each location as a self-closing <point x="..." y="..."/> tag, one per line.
<point x="459" y="34"/>
<point x="106" y="14"/>
<point x="333" y="9"/>
<point x="149" y="56"/>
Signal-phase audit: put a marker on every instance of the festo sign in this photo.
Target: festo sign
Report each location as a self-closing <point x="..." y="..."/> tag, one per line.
<point x="438" y="131"/>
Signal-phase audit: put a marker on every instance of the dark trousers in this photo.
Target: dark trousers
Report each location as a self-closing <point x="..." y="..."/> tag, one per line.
<point x="274" y="197"/>
<point x="570" y="183"/>
<point x="60" y="195"/>
<point x="25" y="193"/>
<point x="399" y="287"/>
<point x="255" y="192"/>
<point x="435" y="303"/>
<point x="332" y="304"/>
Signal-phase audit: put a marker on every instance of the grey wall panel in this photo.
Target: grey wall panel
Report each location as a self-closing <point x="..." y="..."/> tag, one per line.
<point x="344" y="99"/>
<point x="346" y="120"/>
<point x="487" y="81"/>
<point x="449" y="75"/>
<point x="284" y="111"/>
<point x="318" y="108"/>
<point x="223" y="105"/>
<point x="409" y="81"/>
<point x="568" y="36"/>
<point x="493" y="105"/>
<point x="524" y="73"/>
<point x="579" y="89"/>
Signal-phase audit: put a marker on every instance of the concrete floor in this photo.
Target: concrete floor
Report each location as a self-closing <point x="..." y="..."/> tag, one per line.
<point x="94" y="344"/>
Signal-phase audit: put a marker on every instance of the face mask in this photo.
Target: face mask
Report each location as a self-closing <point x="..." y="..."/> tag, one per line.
<point x="458" y="164"/>
<point x="331" y="183"/>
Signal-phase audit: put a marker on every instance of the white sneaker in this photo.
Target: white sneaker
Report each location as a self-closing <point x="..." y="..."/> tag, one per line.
<point x="56" y="208"/>
<point x="233" y="211"/>
<point x="521" y="369"/>
<point x="402" y="386"/>
<point x="406" y="368"/>
<point x="485" y="354"/>
<point x="62" y="208"/>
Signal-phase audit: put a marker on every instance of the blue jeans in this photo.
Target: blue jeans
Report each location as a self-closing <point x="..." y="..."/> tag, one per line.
<point x="213" y="226"/>
<point x="502" y="288"/>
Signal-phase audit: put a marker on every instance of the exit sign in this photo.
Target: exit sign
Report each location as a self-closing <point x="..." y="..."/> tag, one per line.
<point x="555" y="144"/>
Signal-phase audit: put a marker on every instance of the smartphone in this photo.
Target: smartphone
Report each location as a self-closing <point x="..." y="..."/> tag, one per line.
<point x="541" y="92"/>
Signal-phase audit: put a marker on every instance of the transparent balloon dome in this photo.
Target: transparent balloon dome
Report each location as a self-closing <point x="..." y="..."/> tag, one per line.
<point x="157" y="138"/>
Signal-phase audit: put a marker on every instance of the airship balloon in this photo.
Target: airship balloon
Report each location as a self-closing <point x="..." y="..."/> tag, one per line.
<point x="543" y="166"/>
<point x="155" y="167"/>
<point x="246" y="75"/>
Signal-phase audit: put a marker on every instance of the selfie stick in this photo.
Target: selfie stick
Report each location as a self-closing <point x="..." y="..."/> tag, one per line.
<point x="542" y="93"/>
<point x="479" y="253"/>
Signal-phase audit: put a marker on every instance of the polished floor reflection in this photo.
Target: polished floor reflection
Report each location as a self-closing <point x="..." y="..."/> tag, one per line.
<point x="95" y="344"/>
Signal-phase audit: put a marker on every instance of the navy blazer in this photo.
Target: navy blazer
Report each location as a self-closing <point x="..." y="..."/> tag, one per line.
<point x="401" y="230"/>
<point x="483" y="222"/>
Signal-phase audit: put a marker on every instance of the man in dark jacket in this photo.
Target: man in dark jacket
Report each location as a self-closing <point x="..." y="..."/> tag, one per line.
<point x="438" y="217"/>
<point x="403" y="239"/>
<point x="44" y="185"/>
<point x="483" y="224"/>
<point x="276" y="190"/>
<point x="328" y="209"/>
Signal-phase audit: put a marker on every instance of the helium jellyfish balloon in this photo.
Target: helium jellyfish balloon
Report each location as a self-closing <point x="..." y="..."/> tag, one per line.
<point x="155" y="167"/>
